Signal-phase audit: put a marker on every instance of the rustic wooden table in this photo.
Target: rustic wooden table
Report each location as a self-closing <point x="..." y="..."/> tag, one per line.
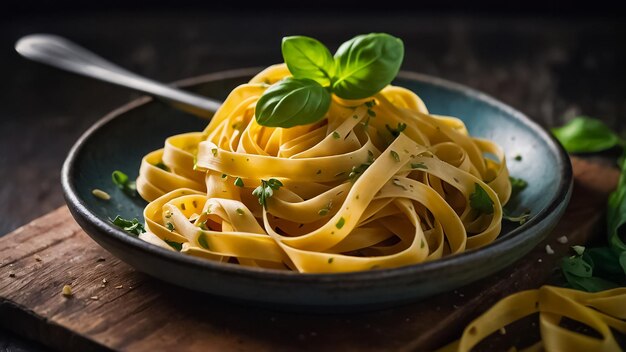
<point x="550" y="68"/>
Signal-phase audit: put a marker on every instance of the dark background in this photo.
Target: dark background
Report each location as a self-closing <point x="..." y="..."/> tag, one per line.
<point x="551" y="60"/>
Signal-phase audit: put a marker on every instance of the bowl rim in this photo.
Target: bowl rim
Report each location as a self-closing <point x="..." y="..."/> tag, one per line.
<point x="512" y="238"/>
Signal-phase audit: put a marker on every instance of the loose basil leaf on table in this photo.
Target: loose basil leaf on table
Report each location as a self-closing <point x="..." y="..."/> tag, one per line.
<point x="366" y="64"/>
<point x="292" y="102"/>
<point x="308" y="58"/>
<point x="586" y="135"/>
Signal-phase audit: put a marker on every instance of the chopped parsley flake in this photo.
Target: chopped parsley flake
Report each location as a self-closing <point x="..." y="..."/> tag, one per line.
<point x="479" y="200"/>
<point x="517" y="185"/>
<point x="396" y="131"/>
<point x="202" y="240"/>
<point x="395" y="155"/>
<point x="134" y="227"/>
<point x="419" y="166"/>
<point x="240" y="211"/>
<point x="177" y="246"/>
<point x="214" y="151"/>
<point x="162" y="166"/>
<point x="123" y="182"/>
<point x="336" y="135"/>
<point x="169" y="226"/>
<point x="397" y="183"/>
<point x="238" y="182"/>
<point x="340" y="223"/>
<point x="521" y="219"/>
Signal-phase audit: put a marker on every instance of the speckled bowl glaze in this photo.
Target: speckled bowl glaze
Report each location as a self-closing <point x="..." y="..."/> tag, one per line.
<point x="120" y="139"/>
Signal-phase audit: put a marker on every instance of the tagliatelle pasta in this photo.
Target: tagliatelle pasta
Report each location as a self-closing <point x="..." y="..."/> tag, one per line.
<point x="377" y="183"/>
<point x="601" y="311"/>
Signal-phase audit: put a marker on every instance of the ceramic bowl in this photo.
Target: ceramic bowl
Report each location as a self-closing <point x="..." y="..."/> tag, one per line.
<point x="119" y="140"/>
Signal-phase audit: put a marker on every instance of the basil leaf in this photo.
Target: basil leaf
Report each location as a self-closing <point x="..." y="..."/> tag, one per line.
<point x="308" y="58"/>
<point x="605" y="261"/>
<point x="589" y="284"/>
<point x="292" y="102"/>
<point x="586" y="135"/>
<point x="576" y="265"/>
<point x="479" y="200"/>
<point x="366" y="64"/>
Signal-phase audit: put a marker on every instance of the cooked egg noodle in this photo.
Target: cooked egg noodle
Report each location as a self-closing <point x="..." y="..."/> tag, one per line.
<point x="378" y="183"/>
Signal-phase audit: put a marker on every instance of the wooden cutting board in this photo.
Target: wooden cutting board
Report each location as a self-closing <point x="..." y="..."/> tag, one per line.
<point x="115" y="307"/>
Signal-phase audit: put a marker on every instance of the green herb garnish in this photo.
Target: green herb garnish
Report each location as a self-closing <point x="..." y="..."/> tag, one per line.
<point x="366" y="64"/>
<point x="598" y="268"/>
<point x="134" y="227"/>
<point x="122" y="182"/>
<point x="360" y="169"/>
<point x="162" y="166"/>
<point x="177" y="246"/>
<point x="202" y="240"/>
<point x="517" y="185"/>
<point x="479" y="200"/>
<point x="520" y="219"/>
<point x="308" y="58"/>
<point x="238" y="182"/>
<point x="336" y="135"/>
<point x="326" y="209"/>
<point x="420" y="165"/>
<point x="292" y="102"/>
<point x="340" y="223"/>
<point x="395" y="132"/>
<point x="170" y="226"/>
<point x="586" y="135"/>
<point x="361" y="67"/>
<point x="395" y="155"/>
<point x="266" y="190"/>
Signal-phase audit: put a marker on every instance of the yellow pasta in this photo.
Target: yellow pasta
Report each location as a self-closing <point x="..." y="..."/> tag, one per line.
<point x="601" y="311"/>
<point x="377" y="183"/>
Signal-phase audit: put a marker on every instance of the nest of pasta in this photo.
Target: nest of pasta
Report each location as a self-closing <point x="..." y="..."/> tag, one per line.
<point x="377" y="183"/>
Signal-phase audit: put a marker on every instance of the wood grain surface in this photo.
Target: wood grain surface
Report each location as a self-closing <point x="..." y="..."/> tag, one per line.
<point x="115" y="307"/>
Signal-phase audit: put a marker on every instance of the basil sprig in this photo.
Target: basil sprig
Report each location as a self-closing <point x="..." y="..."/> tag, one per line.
<point x="604" y="267"/>
<point x="360" y="68"/>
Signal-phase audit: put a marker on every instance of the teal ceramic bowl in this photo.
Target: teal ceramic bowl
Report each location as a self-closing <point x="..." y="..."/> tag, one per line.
<point x="123" y="137"/>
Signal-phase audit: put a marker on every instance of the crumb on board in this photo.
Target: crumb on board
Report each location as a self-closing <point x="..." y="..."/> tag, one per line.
<point x="37" y="257"/>
<point x="119" y="286"/>
<point x="503" y="331"/>
<point x="98" y="193"/>
<point x="94" y="298"/>
<point x="100" y="259"/>
<point x="539" y="260"/>
<point x="67" y="291"/>
<point x="549" y="249"/>
<point x="11" y="274"/>
<point x="562" y="239"/>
